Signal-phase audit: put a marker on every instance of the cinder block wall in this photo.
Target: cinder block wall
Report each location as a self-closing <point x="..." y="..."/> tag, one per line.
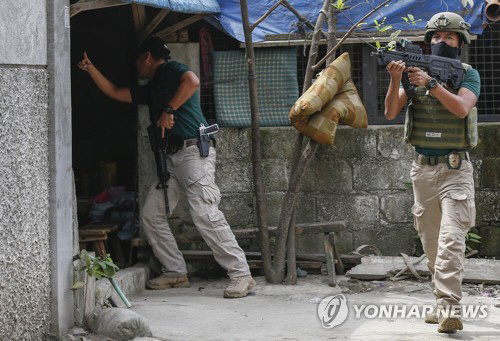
<point x="362" y="178"/>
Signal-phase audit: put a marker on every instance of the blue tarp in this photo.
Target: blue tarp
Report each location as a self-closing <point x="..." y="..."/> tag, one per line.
<point x="283" y="21"/>
<point x="182" y="6"/>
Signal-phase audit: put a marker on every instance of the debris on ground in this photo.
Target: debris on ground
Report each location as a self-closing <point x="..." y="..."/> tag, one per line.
<point x="383" y="267"/>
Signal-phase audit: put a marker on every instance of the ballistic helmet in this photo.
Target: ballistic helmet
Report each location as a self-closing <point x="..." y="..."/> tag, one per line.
<point x="448" y="22"/>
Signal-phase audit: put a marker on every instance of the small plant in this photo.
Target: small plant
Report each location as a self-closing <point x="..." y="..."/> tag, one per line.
<point x="97" y="266"/>
<point x="102" y="267"/>
<point x="471" y="241"/>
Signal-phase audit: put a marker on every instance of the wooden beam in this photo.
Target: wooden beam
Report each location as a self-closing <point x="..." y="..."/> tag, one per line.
<point x="88" y="5"/>
<point x="152" y="25"/>
<point x="186" y="22"/>
<point x="139" y="17"/>
<point x="323" y="227"/>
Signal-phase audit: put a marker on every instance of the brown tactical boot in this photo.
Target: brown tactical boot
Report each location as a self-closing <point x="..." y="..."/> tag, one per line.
<point x="449" y="321"/>
<point x="165" y="282"/>
<point x="239" y="287"/>
<point x="432" y="317"/>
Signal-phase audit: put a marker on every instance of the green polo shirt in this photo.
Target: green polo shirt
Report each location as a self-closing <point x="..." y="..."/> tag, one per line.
<point x="160" y="90"/>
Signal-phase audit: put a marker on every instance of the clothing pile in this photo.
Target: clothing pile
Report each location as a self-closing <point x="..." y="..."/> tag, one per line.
<point x="115" y="205"/>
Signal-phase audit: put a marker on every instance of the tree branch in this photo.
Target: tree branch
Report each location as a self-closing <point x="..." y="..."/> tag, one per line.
<point x="315" y="67"/>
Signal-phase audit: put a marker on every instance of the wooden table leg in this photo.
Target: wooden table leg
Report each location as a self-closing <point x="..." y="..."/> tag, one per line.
<point x="330" y="261"/>
<point x="100" y="248"/>
<point x="339" y="266"/>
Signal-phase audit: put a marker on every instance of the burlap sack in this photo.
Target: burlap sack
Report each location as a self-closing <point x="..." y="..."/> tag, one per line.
<point x="320" y="127"/>
<point x="326" y="86"/>
<point x="349" y="105"/>
<point x="345" y="107"/>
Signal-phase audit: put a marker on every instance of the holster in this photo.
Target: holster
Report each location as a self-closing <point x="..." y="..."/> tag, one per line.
<point x="204" y="145"/>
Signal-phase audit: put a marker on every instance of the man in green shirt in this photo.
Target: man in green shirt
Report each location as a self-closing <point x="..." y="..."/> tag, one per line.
<point x="441" y="123"/>
<point x="174" y="106"/>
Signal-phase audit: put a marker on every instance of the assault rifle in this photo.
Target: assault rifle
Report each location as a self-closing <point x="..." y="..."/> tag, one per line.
<point x="159" y="147"/>
<point x="445" y="70"/>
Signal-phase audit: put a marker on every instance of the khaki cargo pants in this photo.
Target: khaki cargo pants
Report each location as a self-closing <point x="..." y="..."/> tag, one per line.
<point x="444" y="211"/>
<point x="194" y="177"/>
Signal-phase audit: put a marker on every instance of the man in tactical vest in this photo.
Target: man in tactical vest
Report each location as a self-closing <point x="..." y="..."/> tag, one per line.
<point x="174" y="107"/>
<point x="441" y="123"/>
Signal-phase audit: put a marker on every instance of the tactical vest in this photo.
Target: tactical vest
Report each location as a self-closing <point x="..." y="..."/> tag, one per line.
<point x="429" y="124"/>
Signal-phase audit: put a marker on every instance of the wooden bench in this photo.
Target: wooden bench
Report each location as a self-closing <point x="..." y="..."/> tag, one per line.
<point x="328" y="229"/>
<point x="96" y="233"/>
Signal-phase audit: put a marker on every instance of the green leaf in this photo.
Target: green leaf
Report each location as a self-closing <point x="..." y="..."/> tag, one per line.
<point x="473" y="235"/>
<point x="385" y="28"/>
<point x="405" y="19"/>
<point x="408" y="184"/>
<point x="411" y="17"/>
<point x="109" y="272"/>
<point x="475" y="241"/>
<point x="376" y="22"/>
<point x="395" y="34"/>
<point x="378" y="44"/>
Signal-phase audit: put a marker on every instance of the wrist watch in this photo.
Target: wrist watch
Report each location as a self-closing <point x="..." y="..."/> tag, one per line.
<point x="168" y="109"/>
<point x="431" y="84"/>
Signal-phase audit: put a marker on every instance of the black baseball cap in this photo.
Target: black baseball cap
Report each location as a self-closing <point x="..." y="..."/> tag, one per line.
<point x="156" y="47"/>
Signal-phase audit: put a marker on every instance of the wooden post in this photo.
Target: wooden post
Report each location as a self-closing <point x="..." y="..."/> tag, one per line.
<point x="256" y="149"/>
<point x="370" y="79"/>
<point x="330" y="261"/>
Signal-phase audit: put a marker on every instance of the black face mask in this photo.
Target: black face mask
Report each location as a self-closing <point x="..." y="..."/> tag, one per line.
<point x="444" y="50"/>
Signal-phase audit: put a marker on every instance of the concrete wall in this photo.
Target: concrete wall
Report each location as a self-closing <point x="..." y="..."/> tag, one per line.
<point x="24" y="165"/>
<point x="363" y="179"/>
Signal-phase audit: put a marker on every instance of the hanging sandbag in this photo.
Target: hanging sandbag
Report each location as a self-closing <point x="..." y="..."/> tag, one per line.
<point x="345" y="107"/>
<point x="326" y="86"/>
<point x="348" y="103"/>
<point x="320" y="127"/>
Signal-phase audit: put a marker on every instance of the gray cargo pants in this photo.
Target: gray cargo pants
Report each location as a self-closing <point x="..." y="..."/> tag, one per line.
<point x="194" y="177"/>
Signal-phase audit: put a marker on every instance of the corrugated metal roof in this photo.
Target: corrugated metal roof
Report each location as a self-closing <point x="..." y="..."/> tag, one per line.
<point x="182" y="6"/>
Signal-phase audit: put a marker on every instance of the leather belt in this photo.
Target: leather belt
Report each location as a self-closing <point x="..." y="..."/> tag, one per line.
<point x="434" y="160"/>
<point x="190" y="142"/>
<point x="194" y="142"/>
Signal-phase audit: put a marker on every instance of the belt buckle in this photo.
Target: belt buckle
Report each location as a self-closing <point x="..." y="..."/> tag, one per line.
<point x="432" y="160"/>
<point x="453" y="160"/>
